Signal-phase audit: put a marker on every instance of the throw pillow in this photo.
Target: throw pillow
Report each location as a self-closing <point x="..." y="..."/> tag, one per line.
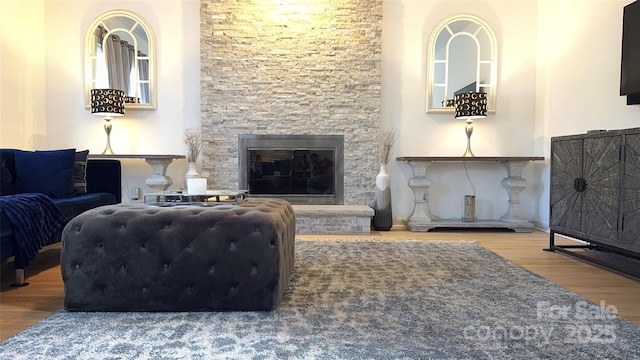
<point x="49" y="172"/>
<point x="80" y="172"/>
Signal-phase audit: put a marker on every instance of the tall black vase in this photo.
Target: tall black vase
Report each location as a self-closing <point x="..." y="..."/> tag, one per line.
<point x="382" y="218"/>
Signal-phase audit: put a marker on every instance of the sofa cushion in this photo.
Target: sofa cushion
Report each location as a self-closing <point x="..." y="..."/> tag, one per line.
<point x="80" y="172"/>
<point x="75" y="205"/>
<point x="7" y="167"/>
<point x="49" y="172"/>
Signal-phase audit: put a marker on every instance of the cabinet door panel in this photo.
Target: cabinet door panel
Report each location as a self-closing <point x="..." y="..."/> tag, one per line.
<point x="601" y="171"/>
<point x="566" y="203"/>
<point x="631" y="195"/>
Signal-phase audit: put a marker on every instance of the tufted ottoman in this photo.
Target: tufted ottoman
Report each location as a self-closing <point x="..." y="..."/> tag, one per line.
<point x="133" y="257"/>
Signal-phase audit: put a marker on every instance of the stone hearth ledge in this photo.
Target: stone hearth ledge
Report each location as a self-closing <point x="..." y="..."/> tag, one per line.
<point x="333" y="219"/>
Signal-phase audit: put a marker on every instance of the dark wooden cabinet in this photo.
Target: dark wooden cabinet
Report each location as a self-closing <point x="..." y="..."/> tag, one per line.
<point x="630" y="238"/>
<point x="595" y="189"/>
<point x="585" y="186"/>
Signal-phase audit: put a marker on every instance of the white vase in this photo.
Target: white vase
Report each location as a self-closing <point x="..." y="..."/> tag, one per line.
<point x="382" y="218"/>
<point x="192" y="172"/>
<point x="383" y="180"/>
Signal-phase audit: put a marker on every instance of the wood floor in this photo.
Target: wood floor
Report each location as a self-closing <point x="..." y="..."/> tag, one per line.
<point x="22" y="307"/>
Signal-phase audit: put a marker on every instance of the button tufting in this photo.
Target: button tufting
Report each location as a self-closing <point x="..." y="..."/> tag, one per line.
<point x="248" y="242"/>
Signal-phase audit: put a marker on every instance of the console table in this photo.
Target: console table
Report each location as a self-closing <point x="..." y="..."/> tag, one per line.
<point x="158" y="181"/>
<point x="514" y="184"/>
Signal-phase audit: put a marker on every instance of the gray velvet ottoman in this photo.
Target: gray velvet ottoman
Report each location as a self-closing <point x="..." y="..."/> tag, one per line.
<point x="133" y="257"/>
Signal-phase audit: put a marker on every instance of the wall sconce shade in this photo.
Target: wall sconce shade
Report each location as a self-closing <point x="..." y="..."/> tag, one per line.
<point x="107" y="102"/>
<point x="469" y="106"/>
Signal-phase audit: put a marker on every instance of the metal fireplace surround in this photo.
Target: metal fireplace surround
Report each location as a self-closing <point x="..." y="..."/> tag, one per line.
<point x="280" y="166"/>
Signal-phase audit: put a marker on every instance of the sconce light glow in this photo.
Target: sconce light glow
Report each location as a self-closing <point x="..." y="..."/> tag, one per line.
<point x="298" y="15"/>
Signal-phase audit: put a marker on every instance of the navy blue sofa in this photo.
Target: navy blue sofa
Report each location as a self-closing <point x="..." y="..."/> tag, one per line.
<point x="101" y="186"/>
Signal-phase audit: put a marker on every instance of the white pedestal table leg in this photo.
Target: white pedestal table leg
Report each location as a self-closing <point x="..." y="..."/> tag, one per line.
<point x="159" y="181"/>
<point x="419" y="184"/>
<point x="514" y="183"/>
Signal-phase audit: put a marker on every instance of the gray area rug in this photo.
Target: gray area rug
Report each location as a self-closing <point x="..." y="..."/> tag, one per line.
<point x="362" y="300"/>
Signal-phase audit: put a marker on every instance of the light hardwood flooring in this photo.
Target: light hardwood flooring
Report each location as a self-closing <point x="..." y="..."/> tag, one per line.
<point x="22" y="307"/>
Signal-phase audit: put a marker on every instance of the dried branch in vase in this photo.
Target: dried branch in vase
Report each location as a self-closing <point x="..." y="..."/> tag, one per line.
<point x="193" y="140"/>
<point x="386" y="146"/>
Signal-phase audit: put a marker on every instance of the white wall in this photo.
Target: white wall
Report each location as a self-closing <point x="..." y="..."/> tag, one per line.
<point x="581" y="65"/>
<point x="50" y="81"/>
<point x="22" y="75"/>
<point x="578" y="75"/>
<point x="558" y="74"/>
<point x="508" y="132"/>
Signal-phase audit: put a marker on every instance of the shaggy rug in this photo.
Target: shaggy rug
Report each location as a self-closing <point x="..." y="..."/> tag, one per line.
<point x="362" y="300"/>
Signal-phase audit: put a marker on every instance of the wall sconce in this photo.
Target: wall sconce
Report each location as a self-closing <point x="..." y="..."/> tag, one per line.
<point x="470" y="106"/>
<point x="107" y="102"/>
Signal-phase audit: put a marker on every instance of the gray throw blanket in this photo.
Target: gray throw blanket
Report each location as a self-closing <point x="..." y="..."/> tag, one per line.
<point x="34" y="217"/>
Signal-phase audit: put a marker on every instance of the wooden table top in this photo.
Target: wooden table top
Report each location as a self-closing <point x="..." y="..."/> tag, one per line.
<point x="465" y="158"/>
<point x="135" y="156"/>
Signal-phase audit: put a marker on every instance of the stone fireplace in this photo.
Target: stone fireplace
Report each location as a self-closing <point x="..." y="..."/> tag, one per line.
<point x="312" y="70"/>
<point x="302" y="169"/>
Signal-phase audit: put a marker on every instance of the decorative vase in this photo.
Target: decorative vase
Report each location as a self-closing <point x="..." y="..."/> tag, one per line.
<point x="382" y="218"/>
<point x="192" y="172"/>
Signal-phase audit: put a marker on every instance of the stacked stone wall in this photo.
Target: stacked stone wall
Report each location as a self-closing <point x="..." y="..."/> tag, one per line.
<point x="306" y="67"/>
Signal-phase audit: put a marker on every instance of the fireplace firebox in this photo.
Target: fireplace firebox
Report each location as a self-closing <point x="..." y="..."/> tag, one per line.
<point x="302" y="169"/>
